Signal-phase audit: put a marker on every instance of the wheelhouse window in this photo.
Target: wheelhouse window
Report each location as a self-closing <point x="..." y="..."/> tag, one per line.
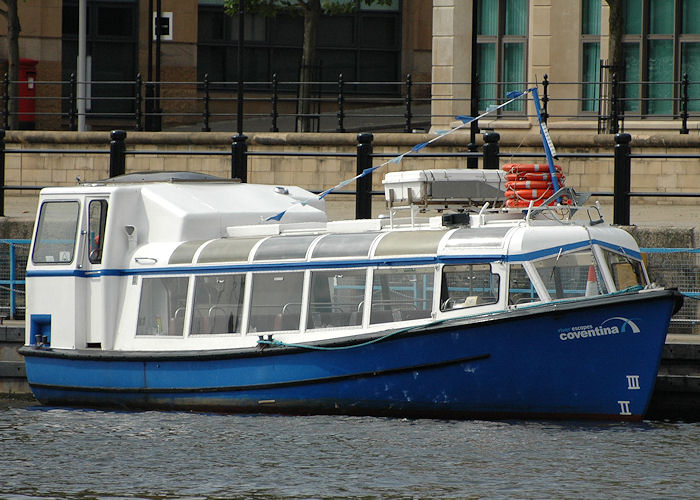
<point x="569" y="275"/>
<point x="400" y="294"/>
<point x="468" y="285"/>
<point x="520" y="287"/>
<point x="276" y="301"/>
<point x="56" y="232"/>
<point x="162" y="306"/>
<point x="336" y="298"/>
<point x="501" y="50"/>
<point x="218" y="304"/>
<point x="626" y="272"/>
<point x="97" y="220"/>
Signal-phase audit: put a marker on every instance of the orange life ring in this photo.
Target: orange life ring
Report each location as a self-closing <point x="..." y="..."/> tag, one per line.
<point x="535" y="203"/>
<point x="523" y="203"/>
<point x="529" y="194"/>
<point x="532" y="176"/>
<point x="528" y="167"/>
<point x="521" y="184"/>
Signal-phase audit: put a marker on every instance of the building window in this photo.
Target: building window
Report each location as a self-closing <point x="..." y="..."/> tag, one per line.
<point x="364" y="46"/>
<point x="112" y="55"/>
<point x="590" y="50"/>
<point x="661" y="44"/>
<point x="501" y="50"/>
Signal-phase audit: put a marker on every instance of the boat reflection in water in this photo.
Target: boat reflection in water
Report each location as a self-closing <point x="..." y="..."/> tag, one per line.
<point x="177" y="291"/>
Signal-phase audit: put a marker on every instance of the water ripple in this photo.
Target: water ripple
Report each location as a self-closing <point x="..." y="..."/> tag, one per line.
<point x="79" y="454"/>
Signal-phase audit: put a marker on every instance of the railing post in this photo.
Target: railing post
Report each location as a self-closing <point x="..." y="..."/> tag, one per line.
<point x="72" y="104"/>
<point x="2" y="172"/>
<point x="614" y="125"/>
<point x="684" y="104"/>
<point x="275" y="100"/>
<point x="138" y="103"/>
<point x="205" y="114"/>
<point x="6" y="102"/>
<point x="341" y="105"/>
<point x="363" y="190"/>
<point x="239" y="157"/>
<point x="622" y="183"/>
<point x="473" y="161"/>
<point x="117" y="157"/>
<point x="408" y="115"/>
<point x="491" y="150"/>
<point x="545" y="99"/>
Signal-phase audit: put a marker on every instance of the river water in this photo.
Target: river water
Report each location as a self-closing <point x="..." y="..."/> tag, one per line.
<point x="71" y="453"/>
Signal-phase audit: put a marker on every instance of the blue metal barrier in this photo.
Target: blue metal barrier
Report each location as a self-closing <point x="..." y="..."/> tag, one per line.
<point x="12" y="274"/>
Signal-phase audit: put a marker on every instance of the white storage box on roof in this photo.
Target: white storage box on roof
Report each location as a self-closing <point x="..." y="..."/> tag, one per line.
<point x="443" y="186"/>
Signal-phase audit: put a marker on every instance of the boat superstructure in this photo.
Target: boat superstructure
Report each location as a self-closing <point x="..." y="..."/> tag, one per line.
<point x="179" y="291"/>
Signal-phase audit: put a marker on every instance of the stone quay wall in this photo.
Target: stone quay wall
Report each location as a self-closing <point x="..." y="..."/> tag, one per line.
<point x="43" y="158"/>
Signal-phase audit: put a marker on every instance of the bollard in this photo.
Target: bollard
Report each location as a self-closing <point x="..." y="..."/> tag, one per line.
<point x="491" y="150"/>
<point x="117" y="147"/>
<point x="239" y="158"/>
<point x="363" y="190"/>
<point x="621" y="189"/>
<point x="2" y="172"/>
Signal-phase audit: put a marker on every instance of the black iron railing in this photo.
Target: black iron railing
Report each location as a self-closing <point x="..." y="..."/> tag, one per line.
<point x="338" y="106"/>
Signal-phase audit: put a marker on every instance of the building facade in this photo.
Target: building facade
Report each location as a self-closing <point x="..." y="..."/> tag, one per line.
<point x="375" y="43"/>
<point x="513" y="44"/>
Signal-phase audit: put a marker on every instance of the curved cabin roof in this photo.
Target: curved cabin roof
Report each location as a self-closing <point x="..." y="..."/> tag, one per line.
<point x="167" y="209"/>
<point x="516" y="243"/>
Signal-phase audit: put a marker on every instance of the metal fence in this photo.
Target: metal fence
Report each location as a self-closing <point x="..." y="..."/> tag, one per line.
<point x="678" y="267"/>
<point x="333" y="106"/>
<point x="13" y="263"/>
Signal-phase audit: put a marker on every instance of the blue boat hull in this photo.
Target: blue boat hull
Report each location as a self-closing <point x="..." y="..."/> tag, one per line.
<point x="591" y="359"/>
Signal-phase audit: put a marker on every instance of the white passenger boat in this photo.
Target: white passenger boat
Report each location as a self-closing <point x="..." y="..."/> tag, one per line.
<point x="177" y="291"/>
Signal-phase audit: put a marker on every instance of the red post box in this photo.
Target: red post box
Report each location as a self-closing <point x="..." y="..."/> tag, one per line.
<point x="27" y="93"/>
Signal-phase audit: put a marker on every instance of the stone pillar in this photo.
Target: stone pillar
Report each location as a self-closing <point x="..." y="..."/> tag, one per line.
<point x="452" y="22"/>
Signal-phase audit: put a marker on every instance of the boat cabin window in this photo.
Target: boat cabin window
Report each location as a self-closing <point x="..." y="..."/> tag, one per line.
<point x="569" y="275"/>
<point x="402" y="293"/>
<point x="56" y="232"/>
<point x="626" y="272"/>
<point x="276" y="301"/>
<point x="520" y="288"/>
<point x="468" y="285"/>
<point x="162" y="306"/>
<point x="336" y="298"/>
<point x="97" y="219"/>
<point x="218" y="304"/>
